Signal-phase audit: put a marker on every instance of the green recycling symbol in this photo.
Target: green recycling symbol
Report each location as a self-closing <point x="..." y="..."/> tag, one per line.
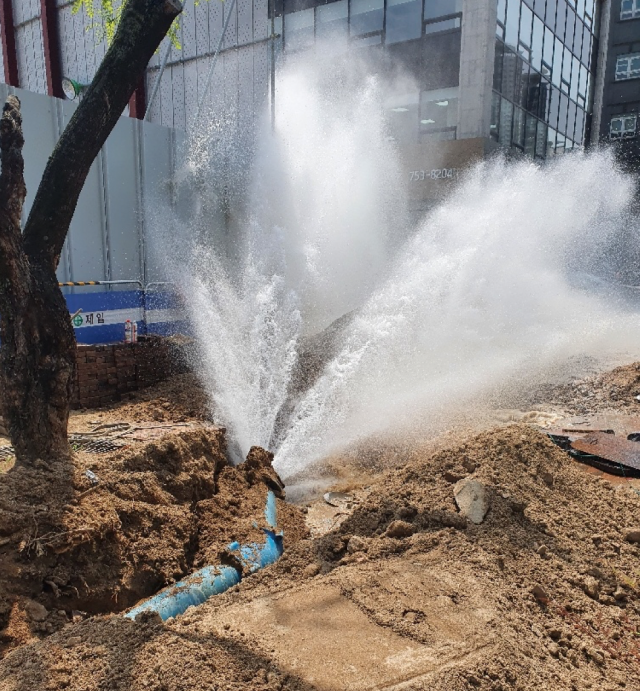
<point x="78" y="320"/>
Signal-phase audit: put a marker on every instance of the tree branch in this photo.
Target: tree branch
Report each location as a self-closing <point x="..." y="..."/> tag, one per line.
<point x="143" y="25"/>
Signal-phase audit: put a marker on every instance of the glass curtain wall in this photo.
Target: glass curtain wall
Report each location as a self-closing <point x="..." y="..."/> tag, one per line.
<point x="544" y="66"/>
<point x="369" y="22"/>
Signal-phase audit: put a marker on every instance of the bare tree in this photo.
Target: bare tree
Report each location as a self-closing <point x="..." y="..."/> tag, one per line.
<point x="38" y="351"/>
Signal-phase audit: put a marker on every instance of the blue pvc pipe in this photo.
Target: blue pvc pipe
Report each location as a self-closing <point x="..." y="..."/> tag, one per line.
<point x="213" y="580"/>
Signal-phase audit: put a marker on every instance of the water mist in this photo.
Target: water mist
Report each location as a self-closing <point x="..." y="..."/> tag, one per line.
<point x="493" y="286"/>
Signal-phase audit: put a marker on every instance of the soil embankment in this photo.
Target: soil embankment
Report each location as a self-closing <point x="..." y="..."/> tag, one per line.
<point x="105" y="531"/>
<point x="406" y="593"/>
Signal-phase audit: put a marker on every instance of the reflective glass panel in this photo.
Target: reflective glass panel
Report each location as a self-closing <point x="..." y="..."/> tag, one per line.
<point x="551" y="142"/>
<point x="536" y="43"/>
<point x="522" y="95"/>
<point x="550" y="14"/>
<point x="441" y="8"/>
<point x="577" y="41"/>
<point x="518" y="127"/>
<point x="554" y="108"/>
<point x="506" y="117"/>
<point x="571" y="25"/>
<point x="562" y="114"/>
<point x="513" y="23"/>
<point x="502" y="10"/>
<point x="497" y="66"/>
<point x="404" y="20"/>
<point x="575" y="79"/>
<point x="561" y="19"/>
<point x="543" y="98"/>
<point x="526" y="18"/>
<point x="556" y="74"/>
<point x="332" y="22"/>
<point x="530" y="132"/>
<point x="580" y="121"/>
<point x="511" y="66"/>
<point x="541" y="139"/>
<point x="586" y="46"/>
<point x="547" y="50"/>
<point x="366" y="16"/>
<point x="571" y="119"/>
<point x="538" y="8"/>
<point x="298" y="30"/>
<point x="439" y="109"/>
<point x="495" y="115"/>
<point x="566" y="65"/>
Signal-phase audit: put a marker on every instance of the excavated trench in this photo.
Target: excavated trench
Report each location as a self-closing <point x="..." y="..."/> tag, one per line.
<point x="139" y="520"/>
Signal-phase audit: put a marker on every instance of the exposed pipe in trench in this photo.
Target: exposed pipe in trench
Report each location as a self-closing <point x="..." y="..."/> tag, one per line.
<point x="213" y="580"/>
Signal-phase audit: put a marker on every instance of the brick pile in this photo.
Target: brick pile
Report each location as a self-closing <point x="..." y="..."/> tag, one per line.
<point x="105" y="373"/>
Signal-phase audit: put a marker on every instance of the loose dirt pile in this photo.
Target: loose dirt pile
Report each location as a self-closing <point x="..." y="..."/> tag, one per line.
<point x="615" y="390"/>
<point x="405" y="594"/>
<point x="105" y="531"/>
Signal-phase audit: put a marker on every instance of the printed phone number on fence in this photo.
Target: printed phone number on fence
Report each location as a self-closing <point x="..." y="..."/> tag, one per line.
<point x="435" y="174"/>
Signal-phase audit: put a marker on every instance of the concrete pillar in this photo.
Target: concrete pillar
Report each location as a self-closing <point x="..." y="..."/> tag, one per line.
<point x="476" y="67"/>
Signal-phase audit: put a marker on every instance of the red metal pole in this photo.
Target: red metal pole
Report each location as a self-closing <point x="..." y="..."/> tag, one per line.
<point x="138" y="102"/>
<point x="9" y="43"/>
<point x="51" y="40"/>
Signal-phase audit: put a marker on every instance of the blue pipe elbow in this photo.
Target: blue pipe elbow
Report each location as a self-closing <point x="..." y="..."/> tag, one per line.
<point x="213" y="580"/>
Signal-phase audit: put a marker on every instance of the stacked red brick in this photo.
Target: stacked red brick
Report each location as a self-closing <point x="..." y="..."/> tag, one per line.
<point x="106" y="372"/>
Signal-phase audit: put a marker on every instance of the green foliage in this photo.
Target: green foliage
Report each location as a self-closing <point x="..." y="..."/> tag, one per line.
<point x="105" y="16"/>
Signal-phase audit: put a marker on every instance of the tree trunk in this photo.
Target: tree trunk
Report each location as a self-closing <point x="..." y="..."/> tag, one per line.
<point x="37" y="355"/>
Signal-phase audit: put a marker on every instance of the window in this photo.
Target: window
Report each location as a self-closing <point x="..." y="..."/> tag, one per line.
<point x="298" y="30"/>
<point x="367" y="16"/>
<point x="513" y="22"/>
<point x="541" y="139"/>
<point x="439" y="109"/>
<point x="518" y="128"/>
<point x="404" y="20"/>
<point x="526" y="18"/>
<point x="628" y="66"/>
<point x="441" y="8"/>
<point x="630" y="9"/>
<point x="506" y="117"/>
<point x="623" y="126"/>
<point x="536" y="43"/>
<point x="332" y="23"/>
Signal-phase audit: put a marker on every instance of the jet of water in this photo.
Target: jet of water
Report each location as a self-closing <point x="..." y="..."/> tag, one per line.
<point x="489" y="288"/>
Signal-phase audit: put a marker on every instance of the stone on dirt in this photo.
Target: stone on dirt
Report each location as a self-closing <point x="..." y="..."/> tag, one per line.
<point x="356" y="544"/>
<point x="399" y="529"/>
<point x="472" y="499"/>
<point x="311" y="570"/>
<point x="633" y="536"/>
<point x="592" y="587"/>
<point x="35" y="611"/>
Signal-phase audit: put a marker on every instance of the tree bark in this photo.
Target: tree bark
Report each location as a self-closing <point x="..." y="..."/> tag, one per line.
<point x="37" y="355"/>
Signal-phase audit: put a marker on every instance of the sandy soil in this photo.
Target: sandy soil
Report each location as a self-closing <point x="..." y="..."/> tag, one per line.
<point x="393" y="588"/>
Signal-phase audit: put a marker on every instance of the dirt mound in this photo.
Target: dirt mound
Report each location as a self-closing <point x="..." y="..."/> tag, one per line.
<point x="615" y="390"/>
<point x="107" y="531"/>
<point x="405" y="593"/>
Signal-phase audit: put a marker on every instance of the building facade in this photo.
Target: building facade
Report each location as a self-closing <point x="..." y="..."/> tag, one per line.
<point x="533" y="77"/>
<point x="619" y="86"/>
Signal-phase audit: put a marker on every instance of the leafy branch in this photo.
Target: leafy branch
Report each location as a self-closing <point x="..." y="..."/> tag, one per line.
<point x="105" y="16"/>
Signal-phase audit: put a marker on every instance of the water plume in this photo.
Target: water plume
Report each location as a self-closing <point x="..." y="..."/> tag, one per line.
<point x="508" y="277"/>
